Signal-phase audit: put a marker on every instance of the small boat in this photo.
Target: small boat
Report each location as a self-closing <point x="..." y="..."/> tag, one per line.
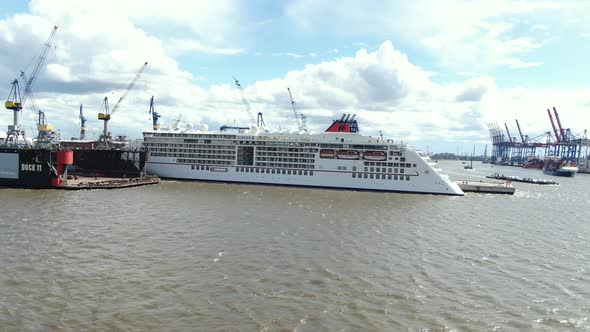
<point x="327" y="154"/>
<point x="375" y="155"/>
<point x="348" y="154"/>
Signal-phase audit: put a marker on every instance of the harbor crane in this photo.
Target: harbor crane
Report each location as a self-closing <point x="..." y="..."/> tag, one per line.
<point x="299" y="118"/>
<point x="154" y="115"/>
<point x="15" y="101"/>
<point x="83" y="127"/>
<point x="105" y="114"/>
<point x="246" y="102"/>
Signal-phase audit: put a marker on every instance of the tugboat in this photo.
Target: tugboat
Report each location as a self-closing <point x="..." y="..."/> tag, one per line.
<point x="557" y="167"/>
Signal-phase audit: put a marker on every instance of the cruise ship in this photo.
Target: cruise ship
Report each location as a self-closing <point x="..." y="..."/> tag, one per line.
<point x="339" y="158"/>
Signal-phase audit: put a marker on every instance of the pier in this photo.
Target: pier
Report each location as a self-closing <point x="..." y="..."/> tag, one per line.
<point x="486" y="187"/>
<point x="82" y="183"/>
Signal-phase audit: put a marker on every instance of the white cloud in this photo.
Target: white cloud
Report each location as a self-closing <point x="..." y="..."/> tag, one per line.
<point x="294" y="55"/>
<point x="460" y="33"/>
<point x="175" y="47"/>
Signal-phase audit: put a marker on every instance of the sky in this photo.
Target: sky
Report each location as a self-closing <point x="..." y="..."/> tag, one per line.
<point x="433" y="74"/>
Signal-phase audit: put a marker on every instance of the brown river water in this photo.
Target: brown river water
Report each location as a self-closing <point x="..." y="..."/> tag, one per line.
<point x="191" y="256"/>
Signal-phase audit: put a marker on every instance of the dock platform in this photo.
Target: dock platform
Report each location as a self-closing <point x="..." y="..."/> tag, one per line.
<point x="486" y="187"/>
<point x="82" y="183"/>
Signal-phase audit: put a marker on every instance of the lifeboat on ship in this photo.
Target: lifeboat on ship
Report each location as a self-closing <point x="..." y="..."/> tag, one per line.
<point x="375" y="155"/>
<point x="327" y="154"/>
<point x="348" y="154"/>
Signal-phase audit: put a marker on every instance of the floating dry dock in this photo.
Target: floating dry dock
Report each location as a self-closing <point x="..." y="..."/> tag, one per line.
<point x="81" y="182"/>
<point x="486" y="187"/>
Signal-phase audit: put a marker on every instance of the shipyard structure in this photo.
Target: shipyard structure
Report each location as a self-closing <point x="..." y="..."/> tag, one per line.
<point x="558" y="151"/>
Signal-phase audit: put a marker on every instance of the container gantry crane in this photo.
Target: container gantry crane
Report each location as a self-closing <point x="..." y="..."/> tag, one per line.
<point x="83" y="127"/>
<point x="154" y="115"/>
<point x="300" y="118"/>
<point x="105" y="114"/>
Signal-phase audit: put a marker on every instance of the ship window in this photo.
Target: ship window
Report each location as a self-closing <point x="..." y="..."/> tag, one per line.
<point x="273" y="171"/>
<point x="372" y="176"/>
<point x="389" y="177"/>
<point x="354" y="168"/>
<point x="284" y="172"/>
<point x="257" y="170"/>
<point x="378" y="169"/>
<point x="395" y="177"/>
<point x="395" y="170"/>
<point x="300" y="172"/>
<point x="402" y="159"/>
<point x="414" y="165"/>
<point x="372" y="169"/>
<point x="395" y="165"/>
<point x="407" y="178"/>
<point x="353" y="175"/>
<point x="366" y="169"/>
<point x="339" y="167"/>
<point x="192" y="166"/>
<point x="401" y="170"/>
<point x="342" y="140"/>
<point x="389" y="170"/>
<point x="310" y="172"/>
<point x="365" y="175"/>
<point x="396" y="158"/>
<point x="304" y="172"/>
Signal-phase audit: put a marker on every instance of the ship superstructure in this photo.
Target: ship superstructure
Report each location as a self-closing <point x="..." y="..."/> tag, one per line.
<point x="338" y="158"/>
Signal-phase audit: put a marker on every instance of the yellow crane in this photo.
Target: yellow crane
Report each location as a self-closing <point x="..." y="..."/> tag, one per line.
<point x="105" y="114"/>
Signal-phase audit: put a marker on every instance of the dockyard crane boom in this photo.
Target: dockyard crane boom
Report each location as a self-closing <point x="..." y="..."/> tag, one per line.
<point x="83" y="127"/>
<point x="106" y="115"/>
<point x="245" y="101"/>
<point x="563" y="138"/>
<point x="508" y="132"/>
<point x="154" y="115"/>
<point x="128" y="88"/>
<point x="519" y="131"/>
<point x="557" y="140"/>
<point x="299" y="118"/>
<point x="40" y="61"/>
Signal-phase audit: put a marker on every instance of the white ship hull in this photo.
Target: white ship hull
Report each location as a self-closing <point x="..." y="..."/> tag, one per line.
<point x="325" y="177"/>
<point x="261" y="157"/>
